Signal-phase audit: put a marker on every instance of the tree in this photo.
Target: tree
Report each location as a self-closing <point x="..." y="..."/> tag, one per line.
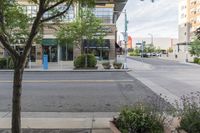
<point x="149" y="48"/>
<point x="86" y="26"/>
<point x="14" y="24"/>
<point x="195" y="48"/>
<point x="197" y="33"/>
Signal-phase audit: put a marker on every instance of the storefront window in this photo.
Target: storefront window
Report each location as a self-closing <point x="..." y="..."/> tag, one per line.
<point x="31" y="10"/>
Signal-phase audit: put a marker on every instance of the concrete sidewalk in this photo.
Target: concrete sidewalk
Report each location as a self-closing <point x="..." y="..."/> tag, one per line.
<point x="66" y="66"/>
<point x="97" y="121"/>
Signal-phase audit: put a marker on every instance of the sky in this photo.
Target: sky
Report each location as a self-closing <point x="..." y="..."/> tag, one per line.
<point x="159" y="18"/>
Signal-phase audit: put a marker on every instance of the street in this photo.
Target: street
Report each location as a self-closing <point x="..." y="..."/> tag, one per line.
<point x="173" y="78"/>
<point x="74" y="91"/>
<point x="101" y="91"/>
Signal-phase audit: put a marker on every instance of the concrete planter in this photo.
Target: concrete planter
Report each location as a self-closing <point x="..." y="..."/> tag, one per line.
<point x="117" y="65"/>
<point x="167" y="129"/>
<point x="113" y="128"/>
<point x="106" y="66"/>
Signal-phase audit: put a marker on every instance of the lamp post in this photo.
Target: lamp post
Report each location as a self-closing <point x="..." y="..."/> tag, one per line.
<point x="125" y="34"/>
<point x="151" y="37"/>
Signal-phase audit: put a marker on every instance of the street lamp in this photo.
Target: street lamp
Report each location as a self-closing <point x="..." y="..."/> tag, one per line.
<point x="125" y="34"/>
<point x="151" y="37"/>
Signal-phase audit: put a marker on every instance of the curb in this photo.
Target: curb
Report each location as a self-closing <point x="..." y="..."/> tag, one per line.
<point x="63" y="70"/>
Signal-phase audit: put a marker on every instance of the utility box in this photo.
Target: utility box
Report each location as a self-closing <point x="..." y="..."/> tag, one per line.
<point x="45" y="62"/>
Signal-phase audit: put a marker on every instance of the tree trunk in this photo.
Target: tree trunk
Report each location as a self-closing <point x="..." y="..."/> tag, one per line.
<point x="16" y="101"/>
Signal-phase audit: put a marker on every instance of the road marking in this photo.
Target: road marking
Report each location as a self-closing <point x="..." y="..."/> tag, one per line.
<point x="68" y="81"/>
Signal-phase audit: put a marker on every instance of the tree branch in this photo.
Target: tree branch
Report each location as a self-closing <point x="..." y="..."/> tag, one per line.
<point x="5" y="43"/>
<point x="58" y="14"/>
<point x="53" y="6"/>
<point x="33" y="32"/>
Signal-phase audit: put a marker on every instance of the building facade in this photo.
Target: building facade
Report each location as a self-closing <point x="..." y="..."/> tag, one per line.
<point x="107" y="10"/>
<point x="189" y="21"/>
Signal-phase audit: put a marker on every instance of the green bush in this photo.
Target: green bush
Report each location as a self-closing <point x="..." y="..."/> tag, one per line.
<point x="196" y="60"/>
<point x="92" y="62"/>
<point x="134" y="53"/>
<point x="131" y="54"/>
<point x="139" y="119"/>
<point x="190" y="114"/>
<point x="79" y="62"/>
<point x="199" y="61"/>
<point x="3" y="63"/>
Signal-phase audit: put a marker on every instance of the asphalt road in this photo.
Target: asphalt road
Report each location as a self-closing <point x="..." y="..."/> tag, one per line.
<point x="177" y="78"/>
<point x="75" y="91"/>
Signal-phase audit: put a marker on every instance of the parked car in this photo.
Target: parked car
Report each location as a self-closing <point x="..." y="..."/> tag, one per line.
<point x="158" y="54"/>
<point x="144" y="55"/>
<point x="153" y="54"/>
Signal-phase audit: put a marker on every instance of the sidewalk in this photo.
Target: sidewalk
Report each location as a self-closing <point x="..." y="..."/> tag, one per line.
<point x="66" y="66"/>
<point x="135" y="65"/>
<point x="98" y="121"/>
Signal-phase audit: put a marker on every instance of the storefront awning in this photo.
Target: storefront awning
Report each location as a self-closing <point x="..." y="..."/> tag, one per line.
<point x="49" y="42"/>
<point x="94" y="44"/>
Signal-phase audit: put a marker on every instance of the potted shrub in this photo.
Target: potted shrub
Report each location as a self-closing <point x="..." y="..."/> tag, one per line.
<point x="106" y="65"/>
<point x="117" y="65"/>
<point x="138" y="119"/>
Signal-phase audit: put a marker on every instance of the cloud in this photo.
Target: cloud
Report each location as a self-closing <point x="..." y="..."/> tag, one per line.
<point x="159" y="18"/>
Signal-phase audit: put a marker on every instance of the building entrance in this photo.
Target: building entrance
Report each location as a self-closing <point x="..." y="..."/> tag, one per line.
<point x="51" y="51"/>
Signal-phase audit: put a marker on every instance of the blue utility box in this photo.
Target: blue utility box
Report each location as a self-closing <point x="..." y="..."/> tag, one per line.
<point x="45" y="62"/>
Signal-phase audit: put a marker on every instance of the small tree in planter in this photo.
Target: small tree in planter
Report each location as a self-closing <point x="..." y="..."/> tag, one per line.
<point x="106" y="65"/>
<point x="117" y="65"/>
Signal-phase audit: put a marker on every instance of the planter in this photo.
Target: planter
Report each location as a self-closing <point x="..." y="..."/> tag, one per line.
<point x="117" y="65"/>
<point x="113" y="128"/>
<point x="167" y="129"/>
<point x="86" y="68"/>
<point x="106" y="65"/>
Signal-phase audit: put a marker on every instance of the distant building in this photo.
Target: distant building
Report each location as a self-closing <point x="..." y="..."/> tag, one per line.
<point x="162" y="43"/>
<point x="130" y="42"/>
<point x="188" y="22"/>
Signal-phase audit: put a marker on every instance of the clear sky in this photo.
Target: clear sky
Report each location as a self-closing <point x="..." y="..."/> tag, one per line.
<point x="159" y="18"/>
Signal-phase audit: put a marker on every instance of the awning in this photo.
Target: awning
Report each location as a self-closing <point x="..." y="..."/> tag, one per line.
<point x="49" y="42"/>
<point x="117" y="45"/>
<point x="94" y="44"/>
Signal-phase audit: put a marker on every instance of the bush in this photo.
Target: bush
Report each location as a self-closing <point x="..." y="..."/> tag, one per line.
<point x="3" y="63"/>
<point x="139" y="119"/>
<point x="106" y="65"/>
<point x="190" y="114"/>
<point x="79" y="62"/>
<point x="199" y="61"/>
<point x="117" y="65"/>
<point x="196" y="60"/>
<point x="131" y="54"/>
<point x="92" y="62"/>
